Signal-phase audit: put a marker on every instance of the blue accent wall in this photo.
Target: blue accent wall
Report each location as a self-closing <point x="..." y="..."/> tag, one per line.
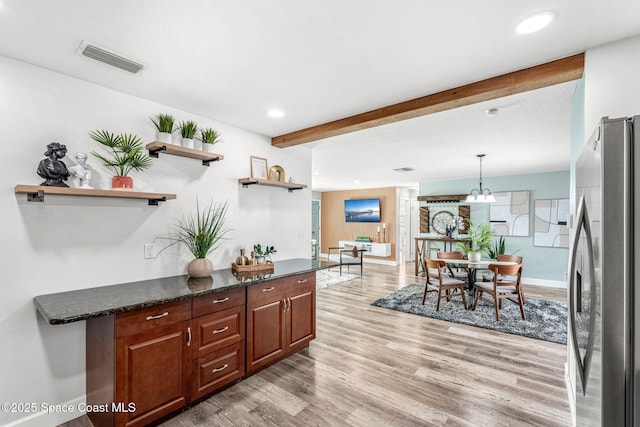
<point x="538" y="262"/>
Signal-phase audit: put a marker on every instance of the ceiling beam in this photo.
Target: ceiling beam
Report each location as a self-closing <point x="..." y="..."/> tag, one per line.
<point x="548" y="74"/>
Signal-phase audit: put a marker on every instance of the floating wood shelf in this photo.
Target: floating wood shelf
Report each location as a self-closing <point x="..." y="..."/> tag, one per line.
<point x="258" y="181"/>
<point x="156" y="147"/>
<point x="443" y="198"/>
<point x="35" y="193"/>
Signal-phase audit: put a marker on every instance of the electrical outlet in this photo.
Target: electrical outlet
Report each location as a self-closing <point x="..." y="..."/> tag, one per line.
<point x="149" y="251"/>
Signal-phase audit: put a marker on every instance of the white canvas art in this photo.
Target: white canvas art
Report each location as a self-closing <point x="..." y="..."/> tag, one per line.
<point x="509" y="214"/>
<point x="550" y="226"/>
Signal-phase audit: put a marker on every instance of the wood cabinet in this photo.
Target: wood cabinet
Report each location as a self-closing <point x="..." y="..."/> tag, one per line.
<point x="281" y="319"/>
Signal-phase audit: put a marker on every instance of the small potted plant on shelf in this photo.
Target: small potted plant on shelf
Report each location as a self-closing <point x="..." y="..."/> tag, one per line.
<point x="127" y="154"/>
<point x="188" y="131"/>
<point x="164" y="125"/>
<point x="201" y="232"/>
<point x="480" y="237"/>
<point x="263" y="256"/>
<point x="209" y="137"/>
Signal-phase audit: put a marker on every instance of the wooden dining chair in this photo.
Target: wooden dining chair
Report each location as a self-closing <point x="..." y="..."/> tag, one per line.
<point x="455" y="272"/>
<point x="517" y="260"/>
<point x="501" y="289"/>
<point x="442" y="284"/>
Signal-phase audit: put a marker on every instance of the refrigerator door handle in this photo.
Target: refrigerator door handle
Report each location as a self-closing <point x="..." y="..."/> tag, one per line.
<point x="582" y="223"/>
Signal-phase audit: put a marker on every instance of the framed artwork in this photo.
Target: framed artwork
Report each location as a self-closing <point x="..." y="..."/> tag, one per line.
<point x="509" y="214"/>
<point x="550" y="225"/>
<point x="258" y="167"/>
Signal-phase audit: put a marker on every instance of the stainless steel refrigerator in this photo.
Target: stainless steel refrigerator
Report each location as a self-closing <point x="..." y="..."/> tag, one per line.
<point x="603" y="320"/>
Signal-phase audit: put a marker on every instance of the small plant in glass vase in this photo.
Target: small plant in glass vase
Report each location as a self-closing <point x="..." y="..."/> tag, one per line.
<point x="480" y="237"/>
<point x="263" y="256"/>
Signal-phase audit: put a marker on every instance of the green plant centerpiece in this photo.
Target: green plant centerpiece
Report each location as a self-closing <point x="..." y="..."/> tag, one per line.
<point x="188" y="130"/>
<point x="127" y="154"/>
<point x="201" y="232"/>
<point x="480" y="236"/>
<point x="164" y="125"/>
<point x="209" y="137"/>
<point x="263" y="255"/>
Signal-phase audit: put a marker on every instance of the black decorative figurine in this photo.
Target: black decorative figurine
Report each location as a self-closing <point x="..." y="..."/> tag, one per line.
<point x="52" y="169"/>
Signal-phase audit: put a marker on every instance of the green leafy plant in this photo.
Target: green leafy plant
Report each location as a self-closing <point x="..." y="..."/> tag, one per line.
<point x="201" y="232"/>
<point x="210" y="136"/>
<point x="268" y="250"/>
<point x="126" y="149"/>
<point x="497" y="249"/>
<point x="163" y="122"/>
<point x="188" y="129"/>
<point x="480" y="237"/>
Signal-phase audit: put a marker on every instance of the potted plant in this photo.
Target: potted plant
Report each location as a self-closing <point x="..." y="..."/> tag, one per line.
<point x="188" y="131"/>
<point x="164" y="125"/>
<point x="209" y="137"/>
<point x="480" y="237"/>
<point x="201" y="232"/>
<point x="128" y="154"/>
<point x="263" y="255"/>
<point x="497" y="249"/>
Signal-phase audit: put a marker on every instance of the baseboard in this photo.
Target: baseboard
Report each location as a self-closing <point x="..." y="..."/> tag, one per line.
<point x="544" y="282"/>
<point x="570" y="393"/>
<point x="55" y="416"/>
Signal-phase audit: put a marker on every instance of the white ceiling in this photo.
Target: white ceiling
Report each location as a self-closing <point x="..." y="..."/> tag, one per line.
<point x="324" y="60"/>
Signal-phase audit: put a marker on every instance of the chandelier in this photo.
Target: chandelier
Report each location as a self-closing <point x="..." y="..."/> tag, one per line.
<point x="480" y="195"/>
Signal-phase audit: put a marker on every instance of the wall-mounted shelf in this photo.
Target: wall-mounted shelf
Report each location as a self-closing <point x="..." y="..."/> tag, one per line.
<point x="35" y="193"/>
<point x="445" y="198"/>
<point x="258" y="181"/>
<point x="160" y="147"/>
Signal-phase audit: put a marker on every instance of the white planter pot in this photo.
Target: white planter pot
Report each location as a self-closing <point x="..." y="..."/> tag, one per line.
<point x="208" y="148"/>
<point x="165" y="137"/>
<point x="474" y="256"/>
<point x="187" y="142"/>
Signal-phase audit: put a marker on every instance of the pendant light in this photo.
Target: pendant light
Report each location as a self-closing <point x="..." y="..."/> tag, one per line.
<point x="481" y="195"/>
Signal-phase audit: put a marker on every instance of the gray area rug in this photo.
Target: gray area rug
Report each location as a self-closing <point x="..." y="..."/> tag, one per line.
<point x="327" y="277"/>
<point x="546" y="320"/>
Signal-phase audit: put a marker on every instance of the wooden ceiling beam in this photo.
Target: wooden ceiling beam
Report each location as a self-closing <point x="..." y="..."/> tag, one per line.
<point x="548" y="74"/>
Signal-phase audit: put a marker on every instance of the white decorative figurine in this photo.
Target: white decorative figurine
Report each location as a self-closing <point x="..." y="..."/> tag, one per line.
<point x="81" y="170"/>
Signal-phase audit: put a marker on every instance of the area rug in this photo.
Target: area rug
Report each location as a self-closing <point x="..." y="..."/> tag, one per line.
<point x="546" y="320"/>
<point x="327" y="277"/>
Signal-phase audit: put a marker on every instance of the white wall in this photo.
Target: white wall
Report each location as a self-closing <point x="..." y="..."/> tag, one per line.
<point x="71" y="243"/>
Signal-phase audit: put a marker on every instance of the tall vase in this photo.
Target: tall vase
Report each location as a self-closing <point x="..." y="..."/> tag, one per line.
<point x="242" y="259"/>
<point x="200" y="267"/>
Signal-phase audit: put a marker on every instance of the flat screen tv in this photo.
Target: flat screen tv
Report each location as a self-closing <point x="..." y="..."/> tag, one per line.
<point x="362" y="210"/>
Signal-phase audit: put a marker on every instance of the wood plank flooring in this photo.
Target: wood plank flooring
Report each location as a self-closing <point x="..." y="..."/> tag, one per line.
<point x="371" y="366"/>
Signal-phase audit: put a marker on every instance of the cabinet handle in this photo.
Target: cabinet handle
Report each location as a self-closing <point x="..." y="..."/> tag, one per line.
<point x="289" y="304"/>
<point x="216" y="301"/>
<point x="268" y="289"/>
<point x="188" y="336"/>
<point x="226" y="365"/>
<point x="302" y="281"/>
<point x="219" y="331"/>
<point x="166" y="313"/>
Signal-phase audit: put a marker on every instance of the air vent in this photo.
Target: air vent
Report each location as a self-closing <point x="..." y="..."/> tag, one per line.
<point x="100" y="54"/>
<point x="404" y="169"/>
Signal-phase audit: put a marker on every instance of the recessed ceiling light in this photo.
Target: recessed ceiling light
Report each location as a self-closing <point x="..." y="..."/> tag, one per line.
<point x="405" y="169"/>
<point x="275" y="113"/>
<point x="534" y="23"/>
<point x="491" y="112"/>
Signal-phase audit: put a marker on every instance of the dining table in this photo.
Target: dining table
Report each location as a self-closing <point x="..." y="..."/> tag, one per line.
<point x="421" y="248"/>
<point x="472" y="268"/>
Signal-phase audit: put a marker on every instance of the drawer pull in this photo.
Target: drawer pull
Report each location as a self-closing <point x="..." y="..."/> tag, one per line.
<point x="166" y="313"/>
<point x="219" y="331"/>
<point x="189" y="336"/>
<point x="226" y="365"/>
<point x="216" y="301"/>
<point x="268" y="289"/>
<point x="302" y="281"/>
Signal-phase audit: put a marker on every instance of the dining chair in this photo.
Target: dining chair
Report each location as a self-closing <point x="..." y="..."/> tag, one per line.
<point x="455" y="272"/>
<point x="501" y="289"/>
<point x="437" y="282"/>
<point x="517" y="260"/>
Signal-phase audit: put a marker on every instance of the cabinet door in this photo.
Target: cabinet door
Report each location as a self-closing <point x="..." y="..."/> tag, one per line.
<point x="152" y="372"/>
<point x="301" y="319"/>
<point x="265" y="333"/>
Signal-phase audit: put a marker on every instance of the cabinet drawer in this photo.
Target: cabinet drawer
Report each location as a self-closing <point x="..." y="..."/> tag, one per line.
<point x="144" y="319"/>
<point x="218" y="301"/>
<point x="218" y="330"/>
<point x="272" y="290"/>
<point x="300" y="281"/>
<point x="217" y="369"/>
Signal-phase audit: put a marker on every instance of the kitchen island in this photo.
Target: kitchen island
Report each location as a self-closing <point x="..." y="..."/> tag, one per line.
<point x="156" y="346"/>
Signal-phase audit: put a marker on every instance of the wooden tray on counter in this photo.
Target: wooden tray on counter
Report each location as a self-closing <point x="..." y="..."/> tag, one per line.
<point x="258" y="268"/>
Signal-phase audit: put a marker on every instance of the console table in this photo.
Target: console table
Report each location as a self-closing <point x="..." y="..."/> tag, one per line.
<point x="421" y="246"/>
<point x="373" y="249"/>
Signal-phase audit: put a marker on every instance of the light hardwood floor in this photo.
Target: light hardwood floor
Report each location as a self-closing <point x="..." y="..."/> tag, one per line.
<point x="371" y="366"/>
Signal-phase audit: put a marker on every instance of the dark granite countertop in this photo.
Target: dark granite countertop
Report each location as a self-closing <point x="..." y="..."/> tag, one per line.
<point x="83" y="304"/>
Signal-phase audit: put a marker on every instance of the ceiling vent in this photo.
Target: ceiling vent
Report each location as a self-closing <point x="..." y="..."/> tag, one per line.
<point x="100" y="54"/>
<point x="404" y="169"/>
